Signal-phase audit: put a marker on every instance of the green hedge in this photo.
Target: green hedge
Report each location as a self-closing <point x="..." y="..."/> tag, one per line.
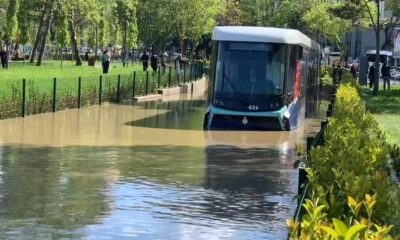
<point x="349" y="178"/>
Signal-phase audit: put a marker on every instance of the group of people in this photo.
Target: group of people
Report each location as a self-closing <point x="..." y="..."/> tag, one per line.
<point x="155" y="61"/>
<point x="385" y="73"/>
<point x="160" y="61"/>
<point x="4" y="58"/>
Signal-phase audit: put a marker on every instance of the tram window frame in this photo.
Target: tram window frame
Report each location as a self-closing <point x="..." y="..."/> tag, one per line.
<point x="293" y="54"/>
<point x="214" y="56"/>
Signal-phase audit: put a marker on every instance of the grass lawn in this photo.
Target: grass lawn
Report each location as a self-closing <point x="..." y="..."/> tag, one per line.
<point x="67" y="77"/>
<point x="386" y="110"/>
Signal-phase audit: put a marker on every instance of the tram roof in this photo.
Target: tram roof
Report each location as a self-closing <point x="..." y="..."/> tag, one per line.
<point x="261" y="34"/>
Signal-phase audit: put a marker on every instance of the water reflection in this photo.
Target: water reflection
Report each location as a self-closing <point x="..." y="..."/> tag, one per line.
<point x="117" y="192"/>
<point x="120" y="171"/>
<point x="185" y="115"/>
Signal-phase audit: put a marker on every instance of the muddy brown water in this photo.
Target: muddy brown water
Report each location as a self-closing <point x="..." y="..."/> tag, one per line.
<point x="147" y="171"/>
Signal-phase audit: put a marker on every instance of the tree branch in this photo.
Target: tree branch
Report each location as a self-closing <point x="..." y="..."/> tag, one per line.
<point x="370" y="15"/>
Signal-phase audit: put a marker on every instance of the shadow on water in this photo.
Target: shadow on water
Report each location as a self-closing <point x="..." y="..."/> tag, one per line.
<point x="183" y="115"/>
<point x="145" y="192"/>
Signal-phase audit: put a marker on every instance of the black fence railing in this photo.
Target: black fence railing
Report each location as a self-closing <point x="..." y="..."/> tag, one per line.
<point x="67" y="93"/>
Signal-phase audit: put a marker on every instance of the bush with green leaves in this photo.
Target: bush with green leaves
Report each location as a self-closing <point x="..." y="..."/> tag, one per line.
<point x="316" y="223"/>
<point x="352" y="164"/>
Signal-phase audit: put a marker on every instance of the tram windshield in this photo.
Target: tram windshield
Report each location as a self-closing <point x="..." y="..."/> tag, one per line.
<point x="250" y="70"/>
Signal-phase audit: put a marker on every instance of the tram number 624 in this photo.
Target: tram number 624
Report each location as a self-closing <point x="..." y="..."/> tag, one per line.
<point x="253" y="108"/>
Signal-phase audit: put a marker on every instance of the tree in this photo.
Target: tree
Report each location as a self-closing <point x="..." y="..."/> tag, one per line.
<point x="12" y="24"/>
<point x="126" y="13"/>
<point x="373" y="11"/>
<point x="232" y="15"/>
<point x="62" y="33"/>
<point x="191" y="19"/>
<point x="389" y="24"/>
<point x="289" y="14"/>
<point x="334" y="20"/>
<point x="257" y="12"/>
<point x="49" y="8"/>
<point x="24" y="25"/>
<point x="81" y="14"/>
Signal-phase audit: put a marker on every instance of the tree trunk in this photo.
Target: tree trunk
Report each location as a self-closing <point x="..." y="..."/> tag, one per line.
<point x="62" y="57"/>
<point x="44" y="38"/>
<point x="124" y="47"/>
<point x="38" y="35"/>
<point x="74" y="43"/>
<point x="16" y="48"/>
<point x="97" y="43"/>
<point x="182" y="44"/>
<point x="7" y="52"/>
<point x="375" y="91"/>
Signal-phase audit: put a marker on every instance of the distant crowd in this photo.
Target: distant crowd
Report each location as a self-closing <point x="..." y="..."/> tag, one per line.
<point x="337" y="69"/>
<point x="157" y="61"/>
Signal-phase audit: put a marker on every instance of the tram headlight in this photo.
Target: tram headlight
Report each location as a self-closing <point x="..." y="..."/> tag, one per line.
<point x="286" y="123"/>
<point x="274" y="105"/>
<point x="219" y="103"/>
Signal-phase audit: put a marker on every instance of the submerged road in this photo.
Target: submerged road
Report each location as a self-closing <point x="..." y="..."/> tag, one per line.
<point x="146" y="171"/>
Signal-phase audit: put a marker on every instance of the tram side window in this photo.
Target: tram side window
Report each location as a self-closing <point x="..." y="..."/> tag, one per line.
<point x="291" y="77"/>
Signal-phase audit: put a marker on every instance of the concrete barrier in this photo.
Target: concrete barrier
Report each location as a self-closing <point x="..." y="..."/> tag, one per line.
<point x="198" y="86"/>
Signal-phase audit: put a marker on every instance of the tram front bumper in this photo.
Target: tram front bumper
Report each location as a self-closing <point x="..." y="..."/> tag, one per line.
<point x="226" y="119"/>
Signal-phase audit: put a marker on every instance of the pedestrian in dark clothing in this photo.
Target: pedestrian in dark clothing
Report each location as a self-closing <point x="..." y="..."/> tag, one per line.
<point x="163" y="63"/>
<point x="87" y="55"/>
<point x="371" y="75"/>
<point x="105" y="60"/>
<point x="154" y="62"/>
<point x="3" y="57"/>
<point x="385" y="71"/>
<point x="145" y="60"/>
<point x="353" y="71"/>
<point x="179" y="67"/>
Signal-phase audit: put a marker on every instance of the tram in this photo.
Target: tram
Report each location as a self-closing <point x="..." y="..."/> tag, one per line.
<point x="261" y="78"/>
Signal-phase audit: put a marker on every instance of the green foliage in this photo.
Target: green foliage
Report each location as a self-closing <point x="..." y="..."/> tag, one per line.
<point x="395" y="156"/>
<point x="102" y="33"/>
<point x="290" y="14"/>
<point x="349" y="175"/>
<point x="354" y="157"/>
<point x="385" y="109"/>
<point x="187" y="20"/>
<point x="317" y="225"/>
<point x="257" y="12"/>
<point x="62" y="33"/>
<point x="326" y="76"/>
<point x="12" y="19"/>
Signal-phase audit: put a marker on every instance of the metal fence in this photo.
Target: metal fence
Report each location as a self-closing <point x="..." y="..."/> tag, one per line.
<point x="28" y="99"/>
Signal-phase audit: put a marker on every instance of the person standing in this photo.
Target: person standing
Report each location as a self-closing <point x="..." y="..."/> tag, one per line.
<point x="371" y="75"/>
<point x="385" y="71"/>
<point x="163" y="64"/>
<point x="353" y="71"/>
<point x="105" y="60"/>
<point x="178" y="67"/>
<point x="154" y="62"/>
<point x="3" y="57"/>
<point x="145" y="60"/>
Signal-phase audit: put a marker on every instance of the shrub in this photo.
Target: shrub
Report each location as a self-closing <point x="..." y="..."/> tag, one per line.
<point x="352" y="164"/>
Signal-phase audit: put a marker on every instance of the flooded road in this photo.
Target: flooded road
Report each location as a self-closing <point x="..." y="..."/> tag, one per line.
<point x="147" y="171"/>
